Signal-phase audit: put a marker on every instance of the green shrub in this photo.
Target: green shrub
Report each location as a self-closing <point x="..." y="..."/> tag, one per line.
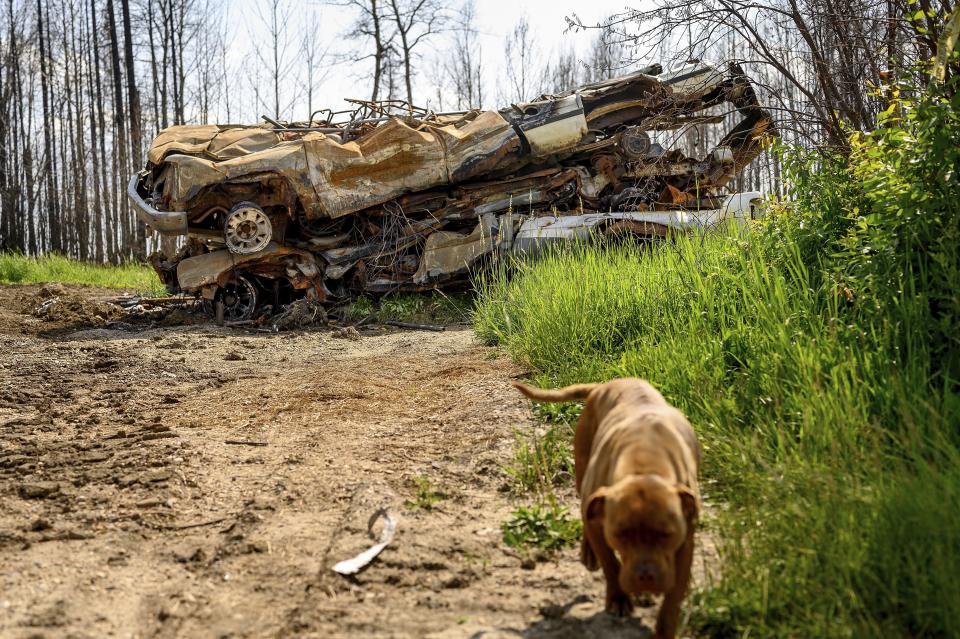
<point x="546" y="527"/>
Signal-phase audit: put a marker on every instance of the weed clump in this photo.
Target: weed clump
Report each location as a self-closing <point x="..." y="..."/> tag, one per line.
<point x="544" y="527"/>
<point x="543" y="460"/>
<point x="425" y="496"/>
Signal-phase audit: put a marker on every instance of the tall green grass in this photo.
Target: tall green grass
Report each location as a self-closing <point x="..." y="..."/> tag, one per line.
<point x="817" y="358"/>
<point x="815" y="437"/>
<point x="20" y="269"/>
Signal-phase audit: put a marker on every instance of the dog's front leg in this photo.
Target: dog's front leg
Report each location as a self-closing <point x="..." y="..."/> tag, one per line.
<point x="617" y="601"/>
<point x="669" y="616"/>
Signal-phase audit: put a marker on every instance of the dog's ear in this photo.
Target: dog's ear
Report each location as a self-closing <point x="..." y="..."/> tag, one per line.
<point x="596" y="504"/>
<point x="689" y="502"/>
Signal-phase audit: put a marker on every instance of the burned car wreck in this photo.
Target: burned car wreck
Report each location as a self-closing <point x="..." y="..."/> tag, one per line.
<point x="388" y="197"/>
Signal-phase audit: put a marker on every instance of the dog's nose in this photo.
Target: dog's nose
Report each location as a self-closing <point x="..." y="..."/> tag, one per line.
<point x="647" y="573"/>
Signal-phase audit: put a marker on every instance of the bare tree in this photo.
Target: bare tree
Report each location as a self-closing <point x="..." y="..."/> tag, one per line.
<point x="314" y="58"/>
<point x="607" y="58"/>
<point x="824" y="53"/>
<point x="369" y="27"/>
<point x="564" y="73"/>
<point x="133" y="94"/>
<point x="416" y="21"/>
<point x="464" y="67"/>
<point x="522" y="63"/>
<point x="70" y="114"/>
<point x="275" y="57"/>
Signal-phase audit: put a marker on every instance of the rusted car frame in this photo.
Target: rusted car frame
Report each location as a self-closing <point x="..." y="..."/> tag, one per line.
<point x="389" y="197"/>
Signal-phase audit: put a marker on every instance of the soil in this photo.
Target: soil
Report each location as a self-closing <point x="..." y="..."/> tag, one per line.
<point x="199" y="481"/>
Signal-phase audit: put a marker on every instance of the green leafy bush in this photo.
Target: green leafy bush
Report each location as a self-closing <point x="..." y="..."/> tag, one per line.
<point x="546" y="527"/>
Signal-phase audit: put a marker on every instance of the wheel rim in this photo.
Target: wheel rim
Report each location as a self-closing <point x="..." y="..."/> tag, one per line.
<point x="239" y="299"/>
<point x="247" y="229"/>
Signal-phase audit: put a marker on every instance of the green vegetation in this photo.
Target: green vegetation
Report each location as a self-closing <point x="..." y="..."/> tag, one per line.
<point x="424" y="308"/>
<point x="19" y="269"/>
<point x="425" y="497"/>
<point x="542" y="460"/>
<point x="545" y="527"/>
<point x="817" y="356"/>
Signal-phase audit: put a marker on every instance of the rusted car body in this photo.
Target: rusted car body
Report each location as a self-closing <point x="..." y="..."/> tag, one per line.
<point x="404" y="199"/>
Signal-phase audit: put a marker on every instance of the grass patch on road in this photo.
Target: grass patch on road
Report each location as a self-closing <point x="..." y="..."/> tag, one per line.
<point x="20" y="269"/>
<point x="818" y="357"/>
<point x="547" y="527"/>
<point x="542" y="459"/>
<point x="425" y="495"/>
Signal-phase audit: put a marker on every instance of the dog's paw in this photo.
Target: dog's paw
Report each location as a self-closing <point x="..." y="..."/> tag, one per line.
<point x="619" y="603"/>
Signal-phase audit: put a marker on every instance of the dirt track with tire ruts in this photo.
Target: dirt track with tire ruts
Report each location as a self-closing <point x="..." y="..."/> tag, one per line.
<point x="197" y="481"/>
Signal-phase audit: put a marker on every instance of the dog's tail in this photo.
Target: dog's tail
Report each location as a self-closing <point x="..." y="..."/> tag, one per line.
<point x="566" y="394"/>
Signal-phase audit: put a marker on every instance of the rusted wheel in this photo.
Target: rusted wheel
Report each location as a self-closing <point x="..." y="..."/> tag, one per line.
<point x="247" y="229"/>
<point x="239" y="297"/>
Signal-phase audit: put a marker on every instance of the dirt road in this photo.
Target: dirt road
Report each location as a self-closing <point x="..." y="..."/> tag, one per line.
<point x="200" y="482"/>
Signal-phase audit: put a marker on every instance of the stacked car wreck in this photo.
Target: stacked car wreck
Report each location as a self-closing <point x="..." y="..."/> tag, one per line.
<point x="384" y="201"/>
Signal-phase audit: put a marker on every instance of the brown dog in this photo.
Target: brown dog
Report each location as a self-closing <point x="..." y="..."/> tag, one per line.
<point x="636" y="460"/>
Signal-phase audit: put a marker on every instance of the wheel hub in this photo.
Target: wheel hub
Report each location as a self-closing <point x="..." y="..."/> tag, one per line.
<point x="239" y="299"/>
<point x="247" y="229"/>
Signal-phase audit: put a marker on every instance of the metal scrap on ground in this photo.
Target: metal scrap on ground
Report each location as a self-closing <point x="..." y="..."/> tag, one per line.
<point x="389" y="197"/>
<point x="356" y="564"/>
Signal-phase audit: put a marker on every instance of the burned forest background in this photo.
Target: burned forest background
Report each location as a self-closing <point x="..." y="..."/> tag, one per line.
<point x="86" y="84"/>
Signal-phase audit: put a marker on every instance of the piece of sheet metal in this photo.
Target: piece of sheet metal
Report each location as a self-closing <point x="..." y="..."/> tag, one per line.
<point x="355" y="564"/>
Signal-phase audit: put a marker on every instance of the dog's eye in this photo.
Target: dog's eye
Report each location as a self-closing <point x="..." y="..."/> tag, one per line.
<point x="646" y="536"/>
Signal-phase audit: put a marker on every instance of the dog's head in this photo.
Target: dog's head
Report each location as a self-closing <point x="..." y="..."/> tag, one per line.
<point x="645" y="520"/>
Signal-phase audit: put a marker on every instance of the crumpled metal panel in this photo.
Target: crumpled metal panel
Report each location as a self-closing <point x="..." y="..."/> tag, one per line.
<point x="193" y="174"/>
<point x="211" y="141"/>
<point x="209" y="269"/>
<point x="189" y="139"/>
<point x="445" y="253"/>
<point x="332" y="178"/>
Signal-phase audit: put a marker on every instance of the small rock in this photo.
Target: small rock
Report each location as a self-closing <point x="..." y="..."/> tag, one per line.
<point x="189" y="554"/>
<point x="39" y="490"/>
<point x="347" y="332"/>
<point x="40" y="524"/>
<point x="127" y="480"/>
<point x="96" y="456"/>
<point x="454" y="582"/>
<point x="155" y="476"/>
<point x="233" y="356"/>
<point x="552" y="611"/>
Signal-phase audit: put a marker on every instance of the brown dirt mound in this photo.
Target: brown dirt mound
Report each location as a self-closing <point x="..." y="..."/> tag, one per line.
<point x="301" y="313"/>
<point x="55" y="303"/>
